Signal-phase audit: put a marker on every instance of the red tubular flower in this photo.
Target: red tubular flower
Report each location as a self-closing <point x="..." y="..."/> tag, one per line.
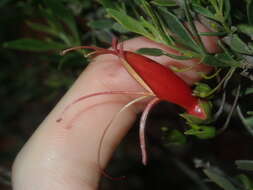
<point x="160" y="82"/>
<point x="164" y="83"/>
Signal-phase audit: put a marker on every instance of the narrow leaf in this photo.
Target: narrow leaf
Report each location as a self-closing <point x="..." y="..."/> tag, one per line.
<point x="250" y="12"/>
<point x="212" y="33"/>
<point x="64" y="14"/>
<point x="245" y="164"/>
<point x="248" y="91"/>
<point x="227" y="10"/>
<point x="178" y="29"/>
<point x="41" y="28"/>
<point x="129" y="23"/>
<point x="104" y="36"/>
<point x="101" y="24"/>
<point x="108" y="3"/>
<point x="159" y="52"/>
<point x="246" y="181"/>
<point x="164" y="3"/>
<point x="119" y="28"/>
<point x="220" y="60"/>
<point x="33" y="45"/>
<point x="218" y="178"/>
<point x="248" y="122"/>
<point x="246" y="29"/>
<point x="150" y="51"/>
<point x="203" y="11"/>
<point x="238" y="45"/>
<point x="52" y="20"/>
<point x="175" y="137"/>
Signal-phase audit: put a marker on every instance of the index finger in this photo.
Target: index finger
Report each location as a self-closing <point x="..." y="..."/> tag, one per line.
<point x="58" y="158"/>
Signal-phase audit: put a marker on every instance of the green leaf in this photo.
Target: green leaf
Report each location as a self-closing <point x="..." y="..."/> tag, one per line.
<point x="108" y="3"/>
<point x="42" y="28"/>
<point x="212" y="33"/>
<point x="226" y="59"/>
<point x="178" y="29"/>
<point x="151" y="28"/>
<point x="201" y="90"/>
<point x="213" y="61"/>
<point x="250" y="112"/>
<point x="101" y="24"/>
<point x="72" y="59"/>
<point x="33" y="45"/>
<point x="129" y="23"/>
<point x="203" y="11"/>
<point x="219" y="178"/>
<point x="220" y="60"/>
<point x="227" y="10"/>
<point x="118" y="28"/>
<point x="159" y="52"/>
<point x="52" y="20"/>
<point x="202" y="132"/>
<point x="246" y="181"/>
<point x="176" y="137"/>
<point x="239" y="46"/>
<point x="246" y="29"/>
<point x="245" y="164"/>
<point x="150" y="51"/>
<point x="164" y="3"/>
<point x="179" y="57"/>
<point x="248" y="91"/>
<point x="248" y="122"/>
<point x="250" y="12"/>
<point x="193" y="27"/>
<point x="104" y="36"/>
<point x="58" y="9"/>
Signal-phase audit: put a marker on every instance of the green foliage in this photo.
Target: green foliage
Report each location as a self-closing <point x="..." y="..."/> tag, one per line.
<point x="164" y="3"/>
<point x="129" y="23"/>
<point x="34" y="45"/>
<point x="238" y="45"/>
<point x="250" y="11"/>
<point x="246" y="181"/>
<point x="219" y="178"/>
<point x="201" y="131"/>
<point x="101" y="24"/>
<point x="57" y="19"/>
<point x="159" y="52"/>
<point x="201" y="90"/>
<point x="150" y="51"/>
<point x="183" y="36"/>
<point x="245" y="164"/>
<point x="57" y="9"/>
<point x="173" y="137"/>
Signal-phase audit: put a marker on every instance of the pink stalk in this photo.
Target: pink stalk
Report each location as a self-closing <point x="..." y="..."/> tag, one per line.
<point x="142" y="128"/>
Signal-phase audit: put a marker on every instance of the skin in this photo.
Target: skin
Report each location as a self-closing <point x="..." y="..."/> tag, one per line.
<point x="59" y="158"/>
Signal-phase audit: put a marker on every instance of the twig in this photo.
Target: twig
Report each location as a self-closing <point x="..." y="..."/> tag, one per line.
<point x="232" y="110"/>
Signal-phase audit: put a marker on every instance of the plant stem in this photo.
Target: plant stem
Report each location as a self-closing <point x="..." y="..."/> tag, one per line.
<point x="226" y="78"/>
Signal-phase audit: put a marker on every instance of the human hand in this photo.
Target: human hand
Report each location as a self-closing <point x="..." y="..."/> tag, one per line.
<point x="59" y="158"/>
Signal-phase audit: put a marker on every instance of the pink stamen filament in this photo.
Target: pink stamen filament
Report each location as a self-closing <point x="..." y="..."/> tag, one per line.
<point x="142" y="129"/>
<point x="107" y="128"/>
<point x="99" y="94"/>
<point x="96" y="49"/>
